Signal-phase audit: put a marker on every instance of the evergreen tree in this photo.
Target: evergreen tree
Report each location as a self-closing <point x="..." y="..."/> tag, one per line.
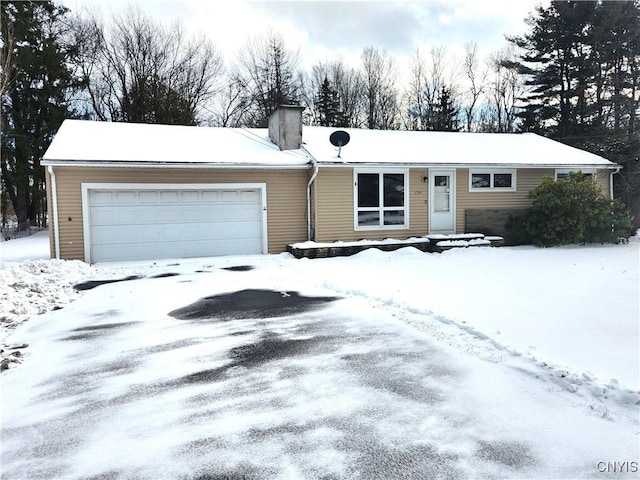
<point x="441" y="114"/>
<point x="582" y="60"/>
<point x="328" y="106"/>
<point x="445" y="112"/>
<point x="556" y="62"/>
<point x="35" y="101"/>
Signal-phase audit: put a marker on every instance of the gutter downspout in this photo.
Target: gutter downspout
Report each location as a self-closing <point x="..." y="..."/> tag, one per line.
<point x="54" y="209"/>
<point x="613" y="172"/>
<point x="310" y="235"/>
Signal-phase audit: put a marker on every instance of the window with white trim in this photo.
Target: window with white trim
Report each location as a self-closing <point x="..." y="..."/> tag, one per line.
<point x="485" y="180"/>
<point x="563" y="173"/>
<point x="381" y="200"/>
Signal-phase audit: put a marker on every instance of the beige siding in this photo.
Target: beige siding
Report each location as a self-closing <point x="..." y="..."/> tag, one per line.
<point x="526" y="180"/>
<point x="286" y="198"/>
<point x="47" y="182"/>
<point x="602" y="179"/>
<point x="334" y="196"/>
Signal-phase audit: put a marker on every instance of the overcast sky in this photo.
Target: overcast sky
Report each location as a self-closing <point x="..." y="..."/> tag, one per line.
<point x="322" y="30"/>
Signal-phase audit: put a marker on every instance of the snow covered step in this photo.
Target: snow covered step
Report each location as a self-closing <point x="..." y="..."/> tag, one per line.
<point x="436" y="237"/>
<point x="344" y="249"/>
<point x="443" y="245"/>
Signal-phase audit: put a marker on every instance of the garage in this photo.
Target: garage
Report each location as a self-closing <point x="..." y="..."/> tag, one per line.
<point x="125" y="222"/>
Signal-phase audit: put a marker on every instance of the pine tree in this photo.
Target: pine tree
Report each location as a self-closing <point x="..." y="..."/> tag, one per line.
<point x="582" y="60"/>
<point x="328" y="106"/>
<point x="445" y="112"/>
<point x="35" y="101"/>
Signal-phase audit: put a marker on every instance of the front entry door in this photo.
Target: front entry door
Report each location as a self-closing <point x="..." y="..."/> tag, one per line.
<point x="442" y="200"/>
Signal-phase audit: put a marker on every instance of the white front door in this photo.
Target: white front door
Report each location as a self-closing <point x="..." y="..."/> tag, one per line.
<point x="442" y="201"/>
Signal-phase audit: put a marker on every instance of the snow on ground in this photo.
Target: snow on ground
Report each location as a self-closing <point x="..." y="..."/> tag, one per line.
<point x="31" y="284"/>
<point x="511" y="362"/>
<point x="574" y="307"/>
<point x="34" y="247"/>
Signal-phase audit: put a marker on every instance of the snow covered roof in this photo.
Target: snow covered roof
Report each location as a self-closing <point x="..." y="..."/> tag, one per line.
<point x="86" y="142"/>
<point x="81" y="142"/>
<point x="447" y="148"/>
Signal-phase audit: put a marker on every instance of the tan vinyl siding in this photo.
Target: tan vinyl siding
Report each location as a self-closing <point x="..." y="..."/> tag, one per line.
<point x="47" y="182"/>
<point x="602" y="179"/>
<point x="286" y="198"/>
<point x="334" y="196"/>
<point x="526" y="180"/>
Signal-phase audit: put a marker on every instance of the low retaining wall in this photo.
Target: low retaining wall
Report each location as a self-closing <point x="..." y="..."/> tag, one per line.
<point x="491" y="221"/>
<point x="346" y="250"/>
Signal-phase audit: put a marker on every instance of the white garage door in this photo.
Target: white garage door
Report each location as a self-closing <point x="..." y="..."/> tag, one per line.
<point x="153" y="223"/>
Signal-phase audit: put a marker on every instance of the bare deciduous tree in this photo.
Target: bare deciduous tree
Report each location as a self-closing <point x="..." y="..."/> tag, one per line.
<point x="476" y="80"/>
<point x="381" y="98"/>
<point x="231" y="106"/>
<point x="268" y="73"/>
<point x="137" y="70"/>
<point x="505" y="89"/>
<point x="430" y="83"/>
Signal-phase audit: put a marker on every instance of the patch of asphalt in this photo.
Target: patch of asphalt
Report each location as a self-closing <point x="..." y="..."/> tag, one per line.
<point x="165" y="275"/>
<point x="239" y="268"/>
<point x="250" y="303"/>
<point x="252" y="355"/>
<point x="91" y="284"/>
<point x="516" y="455"/>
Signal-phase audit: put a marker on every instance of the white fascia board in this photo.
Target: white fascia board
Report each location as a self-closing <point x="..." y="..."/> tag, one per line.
<point x="239" y="166"/>
<point x="466" y="165"/>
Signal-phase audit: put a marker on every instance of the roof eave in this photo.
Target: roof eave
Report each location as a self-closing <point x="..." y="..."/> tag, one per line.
<point x="609" y="166"/>
<point x="203" y="165"/>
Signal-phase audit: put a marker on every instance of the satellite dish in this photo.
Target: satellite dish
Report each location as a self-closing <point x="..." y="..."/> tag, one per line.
<point x="339" y="139"/>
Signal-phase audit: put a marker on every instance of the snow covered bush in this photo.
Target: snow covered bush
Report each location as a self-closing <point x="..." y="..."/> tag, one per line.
<point x="571" y="211"/>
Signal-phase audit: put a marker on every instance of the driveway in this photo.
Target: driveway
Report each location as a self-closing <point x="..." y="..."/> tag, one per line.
<point x="235" y="374"/>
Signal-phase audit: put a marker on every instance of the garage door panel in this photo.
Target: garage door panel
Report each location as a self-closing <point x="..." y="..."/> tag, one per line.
<point x="227" y="196"/>
<point x="249" y="197"/>
<point x="210" y="197"/>
<point x="129" y="224"/>
<point x="104" y="235"/>
<point x="192" y="215"/>
<point x="169" y="197"/>
<point x="102" y="198"/>
<point x="126" y="197"/>
<point x="190" y="197"/>
<point x="150" y="196"/>
<point x="103" y="215"/>
<point x="168" y="214"/>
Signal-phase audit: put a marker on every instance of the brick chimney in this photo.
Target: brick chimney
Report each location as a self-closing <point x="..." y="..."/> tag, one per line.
<point x="285" y="127"/>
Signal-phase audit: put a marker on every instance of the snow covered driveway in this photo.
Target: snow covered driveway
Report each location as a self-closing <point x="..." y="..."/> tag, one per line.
<point x="254" y="367"/>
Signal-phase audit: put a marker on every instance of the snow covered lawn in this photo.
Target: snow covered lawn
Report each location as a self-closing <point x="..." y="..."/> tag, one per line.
<point x="476" y="363"/>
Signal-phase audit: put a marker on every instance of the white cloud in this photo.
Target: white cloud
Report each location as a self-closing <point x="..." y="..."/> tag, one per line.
<point x="323" y="30"/>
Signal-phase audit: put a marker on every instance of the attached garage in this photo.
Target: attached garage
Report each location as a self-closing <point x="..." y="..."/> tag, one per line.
<point x="149" y="221"/>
